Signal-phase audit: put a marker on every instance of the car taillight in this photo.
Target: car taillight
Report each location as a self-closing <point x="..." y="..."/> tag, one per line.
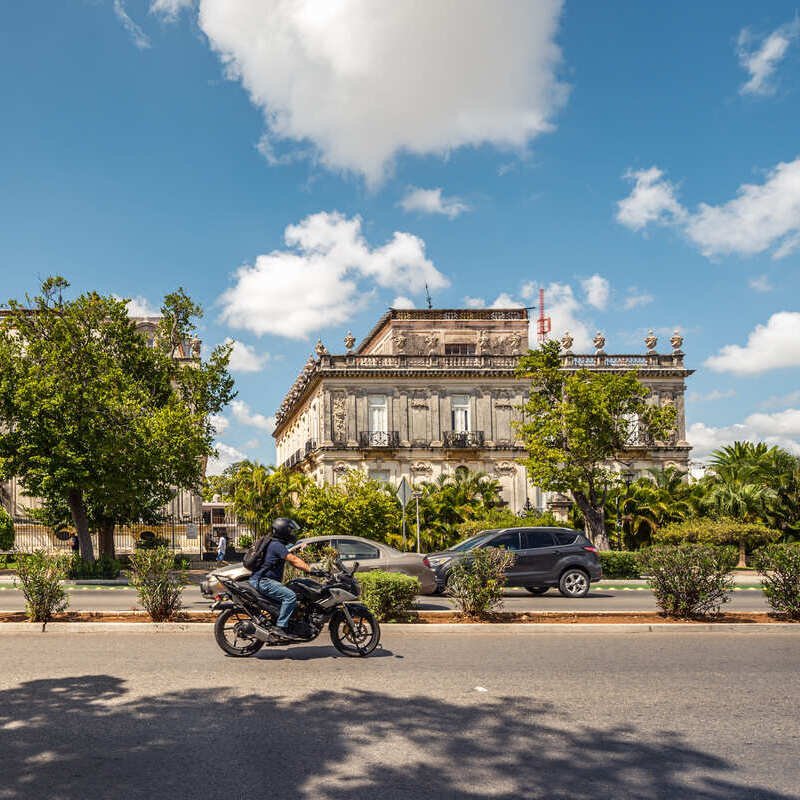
<point x="425" y="561"/>
<point x="590" y="548"/>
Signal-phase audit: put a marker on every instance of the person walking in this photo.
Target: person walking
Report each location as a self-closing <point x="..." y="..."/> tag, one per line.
<point x="74" y="543"/>
<point x="222" y="546"/>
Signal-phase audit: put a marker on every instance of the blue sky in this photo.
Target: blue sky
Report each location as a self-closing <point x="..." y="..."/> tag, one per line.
<point x="299" y="167"/>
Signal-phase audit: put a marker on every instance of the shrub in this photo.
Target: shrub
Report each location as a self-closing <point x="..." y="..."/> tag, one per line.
<point x="323" y="555"/>
<point x="6" y="530"/>
<point x="722" y="531"/>
<point x="476" y="582"/>
<point x="779" y="564"/>
<point x="389" y="595"/>
<point x="40" y="575"/>
<point x="619" y="564"/>
<point x="157" y="583"/>
<point x="104" y="568"/>
<point x="688" y="580"/>
<point x="245" y="541"/>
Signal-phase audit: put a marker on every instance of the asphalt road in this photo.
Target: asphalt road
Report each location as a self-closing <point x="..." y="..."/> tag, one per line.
<point x="123" y="599"/>
<point x="432" y="715"/>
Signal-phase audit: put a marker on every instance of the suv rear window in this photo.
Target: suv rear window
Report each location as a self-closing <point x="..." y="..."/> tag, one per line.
<point x="566" y="537"/>
<point x="532" y="539"/>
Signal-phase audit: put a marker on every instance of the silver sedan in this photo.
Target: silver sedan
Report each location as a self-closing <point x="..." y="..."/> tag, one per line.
<point x="376" y="555"/>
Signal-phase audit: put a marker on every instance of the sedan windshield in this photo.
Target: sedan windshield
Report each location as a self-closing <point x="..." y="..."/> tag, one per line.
<point x="468" y="544"/>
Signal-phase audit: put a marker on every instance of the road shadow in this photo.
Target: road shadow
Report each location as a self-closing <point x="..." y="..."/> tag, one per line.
<point x="87" y="737"/>
<point x="297" y="653"/>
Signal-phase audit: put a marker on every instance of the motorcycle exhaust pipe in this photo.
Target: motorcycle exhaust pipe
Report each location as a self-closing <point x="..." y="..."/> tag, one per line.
<point x="250" y="628"/>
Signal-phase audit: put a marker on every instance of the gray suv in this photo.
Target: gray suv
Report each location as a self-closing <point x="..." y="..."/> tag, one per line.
<point x="545" y="557"/>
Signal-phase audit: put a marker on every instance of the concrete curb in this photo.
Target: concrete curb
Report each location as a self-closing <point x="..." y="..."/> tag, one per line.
<point x="205" y="628"/>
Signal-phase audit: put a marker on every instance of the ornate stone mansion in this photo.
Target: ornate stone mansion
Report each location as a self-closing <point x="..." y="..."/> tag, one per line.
<point x="429" y="391"/>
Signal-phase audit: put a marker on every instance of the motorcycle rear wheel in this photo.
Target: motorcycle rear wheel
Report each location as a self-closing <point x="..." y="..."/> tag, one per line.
<point x="367" y="633"/>
<point x="227" y="632"/>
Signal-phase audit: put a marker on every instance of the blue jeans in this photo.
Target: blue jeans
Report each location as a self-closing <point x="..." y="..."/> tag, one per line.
<point x="280" y="594"/>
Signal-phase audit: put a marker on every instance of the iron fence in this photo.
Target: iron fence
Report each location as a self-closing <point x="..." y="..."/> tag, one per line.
<point x="194" y="537"/>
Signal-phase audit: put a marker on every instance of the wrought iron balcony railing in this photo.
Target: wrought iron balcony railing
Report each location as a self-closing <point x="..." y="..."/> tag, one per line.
<point x="463" y="439"/>
<point x="379" y="439"/>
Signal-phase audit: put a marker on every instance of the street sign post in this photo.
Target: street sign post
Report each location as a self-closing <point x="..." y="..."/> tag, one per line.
<point x="403" y="495"/>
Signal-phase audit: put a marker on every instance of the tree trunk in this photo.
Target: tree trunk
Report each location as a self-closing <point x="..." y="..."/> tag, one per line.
<point x="742" y="556"/>
<point x="595" y="521"/>
<point x="106" y="540"/>
<point x="81" y="519"/>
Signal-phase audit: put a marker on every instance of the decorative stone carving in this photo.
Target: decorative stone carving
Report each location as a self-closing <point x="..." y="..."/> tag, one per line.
<point x="599" y="342"/>
<point x="349" y="341"/>
<point x="484" y="343"/>
<point x="421" y="467"/>
<point x="195" y="348"/>
<point x="320" y="348"/>
<point x="431" y="343"/>
<point x="399" y="341"/>
<point x="651" y="341"/>
<point x="339" y="417"/>
<point x="677" y="342"/>
<point x="566" y="342"/>
<point x="505" y="468"/>
<point x="515" y="343"/>
<point x="340" y="468"/>
<point x="503" y="400"/>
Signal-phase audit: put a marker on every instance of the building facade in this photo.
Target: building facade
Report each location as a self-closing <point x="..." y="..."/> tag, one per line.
<point x="429" y="391"/>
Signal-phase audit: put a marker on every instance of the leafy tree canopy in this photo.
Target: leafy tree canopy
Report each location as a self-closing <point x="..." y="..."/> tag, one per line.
<point x="95" y="418"/>
<point x="576" y="423"/>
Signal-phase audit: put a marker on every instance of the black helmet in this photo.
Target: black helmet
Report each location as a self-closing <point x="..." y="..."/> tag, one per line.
<point x="285" y="530"/>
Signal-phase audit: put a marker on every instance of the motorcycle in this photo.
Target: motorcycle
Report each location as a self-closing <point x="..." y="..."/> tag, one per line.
<point x="247" y="619"/>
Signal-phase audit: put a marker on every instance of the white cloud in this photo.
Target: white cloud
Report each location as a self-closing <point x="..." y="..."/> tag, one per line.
<point x="226" y="455"/>
<point x="401" y="301"/>
<point x="761" y="61"/>
<point x="138" y="36"/>
<point x="169" y="10"/>
<point x="597" y="291"/>
<point x="140" y="306"/>
<point x="714" y="394"/>
<point x="780" y="429"/>
<point x="761" y="217"/>
<point x="316" y="284"/>
<point x="219" y="423"/>
<point x="245" y="359"/>
<point x="505" y="300"/>
<point x="760" y="284"/>
<point x="431" y="201"/>
<point x="474" y="302"/>
<point x="782" y="400"/>
<point x="362" y="86"/>
<point x="636" y="299"/>
<point x="246" y="416"/>
<point x="770" y="346"/>
<point x="652" y="199"/>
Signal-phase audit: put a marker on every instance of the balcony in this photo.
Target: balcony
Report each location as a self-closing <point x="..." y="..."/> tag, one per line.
<point x="463" y="439"/>
<point x="379" y="439"/>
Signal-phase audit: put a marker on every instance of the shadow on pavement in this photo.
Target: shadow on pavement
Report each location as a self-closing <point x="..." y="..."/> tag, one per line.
<point x="85" y="737"/>
<point x="297" y="653"/>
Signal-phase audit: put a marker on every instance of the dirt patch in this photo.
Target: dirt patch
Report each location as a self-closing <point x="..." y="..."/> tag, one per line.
<point x="432" y="617"/>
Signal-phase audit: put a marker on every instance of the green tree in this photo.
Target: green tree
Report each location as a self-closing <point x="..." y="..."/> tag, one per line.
<point x="261" y="493"/>
<point x="356" y="506"/>
<point x="95" y="419"/>
<point x="6" y="530"/>
<point x="577" y="423"/>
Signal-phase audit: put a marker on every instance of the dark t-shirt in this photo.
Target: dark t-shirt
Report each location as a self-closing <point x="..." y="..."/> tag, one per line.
<point x="274" y="562"/>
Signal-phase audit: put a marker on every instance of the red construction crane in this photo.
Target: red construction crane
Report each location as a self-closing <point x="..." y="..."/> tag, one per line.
<point x="543" y="323"/>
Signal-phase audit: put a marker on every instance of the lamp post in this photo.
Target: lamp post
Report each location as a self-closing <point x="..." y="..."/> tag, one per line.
<point x="627" y="477"/>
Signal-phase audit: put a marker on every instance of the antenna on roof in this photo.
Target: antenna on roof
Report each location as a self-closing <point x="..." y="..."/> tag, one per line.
<point x="543" y="323"/>
<point x="428" y="296"/>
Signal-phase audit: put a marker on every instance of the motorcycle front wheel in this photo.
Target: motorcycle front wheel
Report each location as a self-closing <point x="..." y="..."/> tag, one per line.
<point x="359" y="642"/>
<point x="230" y="637"/>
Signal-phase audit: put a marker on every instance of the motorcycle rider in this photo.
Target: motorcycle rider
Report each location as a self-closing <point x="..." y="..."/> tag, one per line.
<point x="268" y="580"/>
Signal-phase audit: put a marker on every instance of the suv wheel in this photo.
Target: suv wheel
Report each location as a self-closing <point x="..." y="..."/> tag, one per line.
<point x="574" y="583"/>
<point x="537" y="589"/>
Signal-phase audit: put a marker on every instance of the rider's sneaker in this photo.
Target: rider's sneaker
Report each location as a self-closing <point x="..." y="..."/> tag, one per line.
<point x="286" y="634"/>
